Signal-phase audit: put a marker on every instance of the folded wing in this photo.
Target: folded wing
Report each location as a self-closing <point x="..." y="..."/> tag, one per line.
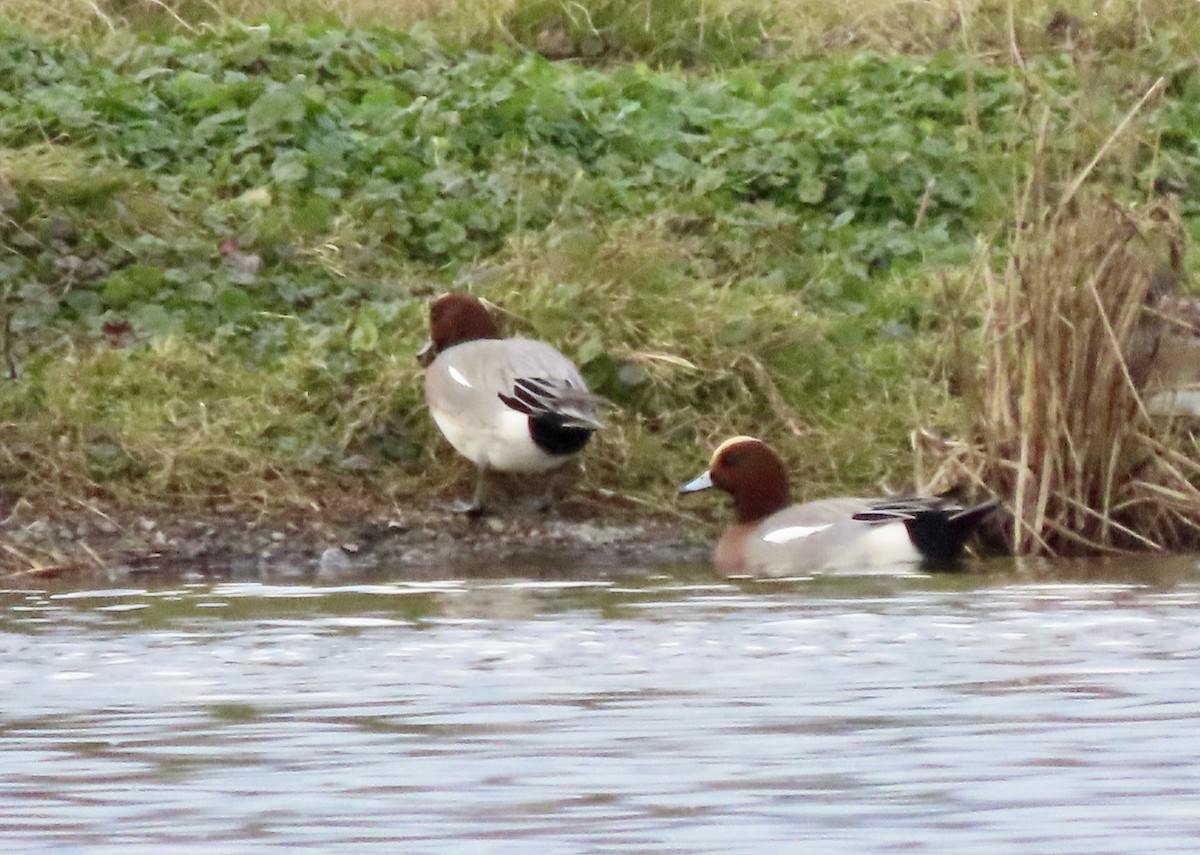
<point x="559" y="397"/>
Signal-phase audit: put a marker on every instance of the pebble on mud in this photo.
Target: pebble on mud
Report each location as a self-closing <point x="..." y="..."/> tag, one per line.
<point x="333" y="561"/>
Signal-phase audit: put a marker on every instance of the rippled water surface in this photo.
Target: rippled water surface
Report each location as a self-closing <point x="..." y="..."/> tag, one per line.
<point x="1017" y="710"/>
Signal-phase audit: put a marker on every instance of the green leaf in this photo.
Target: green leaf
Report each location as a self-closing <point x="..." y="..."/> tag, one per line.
<point x="365" y="337"/>
<point x="708" y="181"/>
<point x="589" y="350"/>
<point x="155" y="320"/>
<point x="85" y="304"/>
<point x="313" y="216"/>
<point x="273" y="108"/>
<point x="673" y="161"/>
<point x="234" y="304"/>
<point x="134" y="283"/>
<point x="811" y="190"/>
<point x="289" y="167"/>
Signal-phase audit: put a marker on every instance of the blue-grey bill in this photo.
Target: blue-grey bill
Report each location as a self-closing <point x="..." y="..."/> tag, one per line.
<point x="701" y="482"/>
<point x="425" y="355"/>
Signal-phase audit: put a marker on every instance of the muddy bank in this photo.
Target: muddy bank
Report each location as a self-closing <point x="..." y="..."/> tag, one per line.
<point x="583" y="535"/>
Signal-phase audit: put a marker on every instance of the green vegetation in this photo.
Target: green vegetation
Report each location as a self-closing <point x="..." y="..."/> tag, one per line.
<point x="217" y="237"/>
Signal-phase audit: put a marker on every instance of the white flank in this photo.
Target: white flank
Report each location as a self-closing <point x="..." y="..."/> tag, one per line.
<point x="457" y="376"/>
<point x="793" y="532"/>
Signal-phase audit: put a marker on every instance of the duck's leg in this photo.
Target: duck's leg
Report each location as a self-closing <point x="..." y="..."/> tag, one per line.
<point x="477" y="508"/>
<point x="544" y="503"/>
<point x="558" y="485"/>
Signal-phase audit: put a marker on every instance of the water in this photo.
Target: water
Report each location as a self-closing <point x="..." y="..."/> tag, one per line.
<point x="1044" y="709"/>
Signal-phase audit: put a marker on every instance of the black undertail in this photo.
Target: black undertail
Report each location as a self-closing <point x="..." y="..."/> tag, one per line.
<point x="561" y="415"/>
<point x="937" y="528"/>
<point x="553" y="437"/>
<point x="939" y="537"/>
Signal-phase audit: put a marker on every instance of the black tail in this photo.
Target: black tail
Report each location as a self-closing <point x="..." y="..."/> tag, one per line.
<point x="939" y="536"/>
<point x="938" y="528"/>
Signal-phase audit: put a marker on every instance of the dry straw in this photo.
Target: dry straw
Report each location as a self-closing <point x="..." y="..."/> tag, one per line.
<point x="1078" y="324"/>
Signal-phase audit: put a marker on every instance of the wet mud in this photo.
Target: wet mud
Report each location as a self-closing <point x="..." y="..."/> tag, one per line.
<point x="581" y="536"/>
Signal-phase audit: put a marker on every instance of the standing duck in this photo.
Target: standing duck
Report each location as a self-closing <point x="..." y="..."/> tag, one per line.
<point x="772" y="537"/>
<point x="506" y="404"/>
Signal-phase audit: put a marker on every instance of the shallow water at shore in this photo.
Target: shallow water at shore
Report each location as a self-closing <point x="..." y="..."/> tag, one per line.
<point x="1033" y="708"/>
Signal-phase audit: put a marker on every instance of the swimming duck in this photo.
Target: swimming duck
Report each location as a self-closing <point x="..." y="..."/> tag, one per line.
<point x="506" y="404"/>
<point x="772" y="537"/>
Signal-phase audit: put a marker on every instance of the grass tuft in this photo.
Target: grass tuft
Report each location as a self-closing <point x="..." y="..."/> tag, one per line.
<point x="1072" y="337"/>
<point x="704" y="32"/>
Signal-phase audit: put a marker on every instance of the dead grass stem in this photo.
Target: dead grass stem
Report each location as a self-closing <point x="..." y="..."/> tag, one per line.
<point x="1071" y="337"/>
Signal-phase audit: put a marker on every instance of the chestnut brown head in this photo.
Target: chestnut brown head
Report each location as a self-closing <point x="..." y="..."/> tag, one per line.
<point x="751" y="473"/>
<point x="454" y="319"/>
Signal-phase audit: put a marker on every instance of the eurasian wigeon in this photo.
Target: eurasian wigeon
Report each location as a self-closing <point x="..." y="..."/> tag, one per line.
<point x="772" y="537"/>
<point x="506" y="404"/>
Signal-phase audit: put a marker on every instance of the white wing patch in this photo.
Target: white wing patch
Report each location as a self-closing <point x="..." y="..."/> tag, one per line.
<point x="793" y="532"/>
<point x="457" y="377"/>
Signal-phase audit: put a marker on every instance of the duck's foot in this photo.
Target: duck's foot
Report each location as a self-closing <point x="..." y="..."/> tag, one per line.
<point x="476" y="508"/>
<point x="471" y="510"/>
<point x="463" y="508"/>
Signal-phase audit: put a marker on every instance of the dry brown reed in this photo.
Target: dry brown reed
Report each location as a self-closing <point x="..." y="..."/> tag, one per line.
<point x="1072" y="334"/>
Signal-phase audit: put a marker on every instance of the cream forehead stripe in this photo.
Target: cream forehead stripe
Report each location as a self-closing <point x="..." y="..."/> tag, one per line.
<point x="732" y="441"/>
